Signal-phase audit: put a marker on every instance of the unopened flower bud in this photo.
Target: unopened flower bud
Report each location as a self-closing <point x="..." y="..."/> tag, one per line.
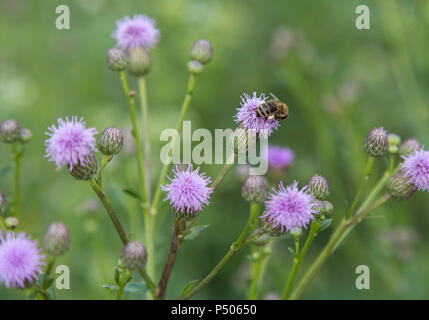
<point x="254" y="189"/>
<point x="376" y="142"/>
<point x="139" y="61"/>
<point x="195" y="67"/>
<point x="324" y="207"/>
<point x="110" y="141"/>
<point x="3" y="203"/>
<point x="134" y="255"/>
<point x="399" y="187"/>
<point x="262" y="240"/>
<point x="409" y="147"/>
<point x="26" y="135"/>
<point x="201" y="51"/>
<point x="57" y="239"/>
<point x="394" y="142"/>
<point x="85" y="170"/>
<point x="11" y="223"/>
<point x="243" y="140"/>
<point x="270" y="229"/>
<point x="296" y="233"/>
<point x="117" y="59"/>
<point x="10" y="131"/>
<point x="318" y="186"/>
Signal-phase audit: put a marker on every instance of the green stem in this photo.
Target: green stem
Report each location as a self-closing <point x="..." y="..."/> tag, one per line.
<point x="121" y="287"/>
<point x="165" y="168"/>
<point x="106" y="160"/>
<point x="337" y="237"/>
<point x="16" y="153"/>
<point x="235" y="247"/>
<point x="224" y="171"/>
<point x="259" y="267"/>
<point x="48" y="271"/>
<point x="299" y="257"/>
<point x="148" y="220"/>
<point x="362" y="186"/>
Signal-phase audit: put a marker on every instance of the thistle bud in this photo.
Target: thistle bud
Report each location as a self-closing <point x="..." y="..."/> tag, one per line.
<point x="409" y="147"/>
<point x="134" y="255"/>
<point x="139" y="61"/>
<point x="85" y="170"/>
<point x="11" y="223"/>
<point x="10" y="131"/>
<point x="318" y="186"/>
<point x="376" y="142"/>
<point x="110" y="141"/>
<point x="394" y="142"/>
<point x="296" y="232"/>
<point x="201" y="51"/>
<point x="185" y="216"/>
<point x="26" y="135"/>
<point x="117" y="59"/>
<point x="195" y="67"/>
<point x="269" y="228"/>
<point x="324" y="207"/>
<point x="254" y="189"/>
<point x="399" y="187"/>
<point x="57" y="239"/>
<point x="3" y="203"/>
<point x="262" y="240"/>
<point x="243" y="140"/>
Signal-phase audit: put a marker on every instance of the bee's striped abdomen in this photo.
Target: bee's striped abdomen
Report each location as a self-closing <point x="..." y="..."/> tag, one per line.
<point x="266" y="109"/>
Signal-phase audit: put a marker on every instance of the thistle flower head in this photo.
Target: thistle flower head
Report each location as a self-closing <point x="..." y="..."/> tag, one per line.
<point x="138" y="31"/>
<point x="110" y="141"/>
<point x="70" y="143"/>
<point x="409" y="146"/>
<point x="254" y="189"/>
<point x="318" y="186"/>
<point x="416" y="168"/>
<point x="188" y="192"/>
<point x="21" y="260"/>
<point x="279" y="157"/>
<point x="10" y="131"/>
<point x="201" y="51"/>
<point x="247" y="115"/>
<point x="56" y="240"/>
<point x="376" y="142"/>
<point x="117" y="59"/>
<point x="289" y="208"/>
<point x="134" y="255"/>
<point x="86" y="169"/>
<point x="399" y="187"/>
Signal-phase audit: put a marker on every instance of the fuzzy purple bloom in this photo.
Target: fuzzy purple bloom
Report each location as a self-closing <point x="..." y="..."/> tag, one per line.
<point x="21" y="260"/>
<point x="138" y="31"/>
<point x="70" y="143"/>
<point x="188" y="191"/>
<point x="248" y="118"/>
<point x="279" y="157"/>
<point x="416" y="168"/>
<point x="289" y="208"/>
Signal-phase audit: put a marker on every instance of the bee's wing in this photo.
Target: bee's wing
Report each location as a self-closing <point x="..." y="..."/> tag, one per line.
<point x="271" y="94"/>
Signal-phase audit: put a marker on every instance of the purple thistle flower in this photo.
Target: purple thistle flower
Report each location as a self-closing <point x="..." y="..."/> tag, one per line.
<point x="416" y="168"/>
<point x="70" y="143"/>
<point x="188" y="191"/>
<point x="289" y="208"/>
<point x="139" y="31"/>
<point x="20" y="260"/>
<point x="279" y="157"/>
<point x="247" y="116"/>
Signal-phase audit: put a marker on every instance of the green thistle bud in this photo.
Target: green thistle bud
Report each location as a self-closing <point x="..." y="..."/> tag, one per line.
<point x="201" y="51"/>
<point x="110" y="141"/>
<point x="376" y="142"/>
<point x="3" y="203"/>
<point x="85" y="171"/>
<point x="296" y="233"/>
<point x="11" y="223"/>
<point x="394" y="142"/>
<point x="139" y="61"/>
<point x="268" y="227"/>
<point x="134" y="255"/>
<point x="399" y="187"/>
<point x="254" y="189"/>
<point x="117" y="59"/>
<point x="318" y="186"/>
<point x="324" y="207"/>
<point x="26" y="135"/>
<point x="195" y="67"/>
<point x="10" y="131"/>
<point x="409" y="147"/>
<point x="57" y="239"/>
<point x="262" y="240"/>
<point x="243" y="140"/>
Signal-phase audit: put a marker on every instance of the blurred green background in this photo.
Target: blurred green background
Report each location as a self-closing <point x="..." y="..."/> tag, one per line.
<point x="339" y="82"/>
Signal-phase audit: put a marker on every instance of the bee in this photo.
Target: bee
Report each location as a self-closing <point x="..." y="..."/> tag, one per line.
<point x="272" y="109"/>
